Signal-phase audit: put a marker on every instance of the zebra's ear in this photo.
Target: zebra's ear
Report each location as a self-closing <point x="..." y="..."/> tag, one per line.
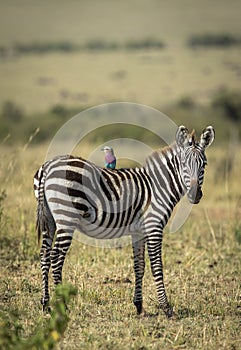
<point x="207" y="137"/>
<point x="181" y="135"/>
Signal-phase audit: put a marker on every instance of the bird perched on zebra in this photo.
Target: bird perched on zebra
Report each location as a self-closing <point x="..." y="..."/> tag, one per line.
<point x="136" y="202"/>
<point x="110" y="159"/>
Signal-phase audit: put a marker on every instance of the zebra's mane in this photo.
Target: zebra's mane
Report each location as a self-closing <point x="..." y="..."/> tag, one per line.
<point x="193" y="138"/>
<point x="165" y="152"/>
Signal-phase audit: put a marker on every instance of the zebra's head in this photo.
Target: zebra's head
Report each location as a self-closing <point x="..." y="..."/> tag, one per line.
<point x="193" y="159"/>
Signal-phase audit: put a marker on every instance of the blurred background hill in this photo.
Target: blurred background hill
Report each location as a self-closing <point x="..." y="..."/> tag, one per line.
<point x="58" y="58"/>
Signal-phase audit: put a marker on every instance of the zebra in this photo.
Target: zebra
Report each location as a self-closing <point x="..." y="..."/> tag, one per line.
<point x="73" y="193"/>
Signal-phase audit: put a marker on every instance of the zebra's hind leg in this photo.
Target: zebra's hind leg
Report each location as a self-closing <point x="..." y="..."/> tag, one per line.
<point x="45" y="263"/>
<point x="154" y="245"/>
<point x="58" y="253"/>
<point x="138" y="246"/>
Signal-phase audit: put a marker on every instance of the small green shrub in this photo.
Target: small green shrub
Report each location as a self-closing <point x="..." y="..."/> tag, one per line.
<point x="47" y="334"/>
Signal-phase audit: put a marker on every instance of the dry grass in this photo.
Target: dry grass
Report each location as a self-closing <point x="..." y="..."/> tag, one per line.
<point x="154" y="78"/>
<point x="202" y="271"/>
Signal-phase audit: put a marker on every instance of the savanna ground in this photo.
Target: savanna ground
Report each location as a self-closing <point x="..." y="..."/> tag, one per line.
<point x="201" y="264"/>
<point x="202" y="259"/>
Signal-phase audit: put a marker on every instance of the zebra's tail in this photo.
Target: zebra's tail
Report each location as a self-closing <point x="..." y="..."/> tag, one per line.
<point x="43" y="212"/>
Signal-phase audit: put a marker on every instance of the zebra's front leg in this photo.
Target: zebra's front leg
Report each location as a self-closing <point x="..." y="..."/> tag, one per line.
<point x="154" y="245"/>
<point x="138" y="246"/>
<point x="45" y="266"/>
<point x="58" y="253"/>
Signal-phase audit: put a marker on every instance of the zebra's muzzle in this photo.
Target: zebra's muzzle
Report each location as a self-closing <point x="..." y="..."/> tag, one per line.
<point x="194" y="194"/>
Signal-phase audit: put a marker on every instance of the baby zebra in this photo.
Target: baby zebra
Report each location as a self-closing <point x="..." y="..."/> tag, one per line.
<point x="75" y="194"/>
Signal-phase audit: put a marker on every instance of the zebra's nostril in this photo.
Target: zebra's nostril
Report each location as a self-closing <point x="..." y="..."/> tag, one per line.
<point x="194" y="194"/>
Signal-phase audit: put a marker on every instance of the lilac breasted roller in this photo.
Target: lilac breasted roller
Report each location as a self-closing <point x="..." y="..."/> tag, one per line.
<point x="110" y="159"/>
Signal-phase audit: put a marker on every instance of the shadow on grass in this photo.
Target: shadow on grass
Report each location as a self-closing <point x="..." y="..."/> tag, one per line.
<point x="149" y="314"/>
<point x="179" y="314"/>
<point x="185" y="313"/>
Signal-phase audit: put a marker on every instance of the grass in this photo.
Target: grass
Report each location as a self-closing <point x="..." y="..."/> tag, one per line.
<point x="201" y="266"/>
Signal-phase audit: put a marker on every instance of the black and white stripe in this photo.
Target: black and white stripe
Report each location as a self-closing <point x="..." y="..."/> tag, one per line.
<point x="74" y="193"/>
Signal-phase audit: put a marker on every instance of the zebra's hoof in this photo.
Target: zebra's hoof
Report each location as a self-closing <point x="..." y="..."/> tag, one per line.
<point x="168" y="310"/>
<point x="138" y="305"/>
<point x="46" y="307"/>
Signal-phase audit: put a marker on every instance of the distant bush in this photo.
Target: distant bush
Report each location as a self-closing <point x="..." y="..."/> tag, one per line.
<point x="214" y="40"/>
<point x="144" y="44"/>
<point x="40" y="48"/>
<point x="45" y="47"/>
<point x="11" y="118"/>
<point x="3" y="51"/>
<point x="19" y="127"/>
<point x="59" y="110"/>
<point x="186" y="102"/>
<point x="230" y="104"/>
<point x="100" y="45"/>
<point x="12" y="112"/>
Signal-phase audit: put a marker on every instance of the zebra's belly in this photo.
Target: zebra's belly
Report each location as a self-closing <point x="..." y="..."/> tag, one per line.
<point x="107" y="224"/>
<point x="103" y="232"/>
<point x="91" y="211"/>
<point x="97" y="221"/>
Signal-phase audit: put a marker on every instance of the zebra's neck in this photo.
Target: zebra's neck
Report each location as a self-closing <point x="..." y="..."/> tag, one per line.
<point x="164" y="170"/>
